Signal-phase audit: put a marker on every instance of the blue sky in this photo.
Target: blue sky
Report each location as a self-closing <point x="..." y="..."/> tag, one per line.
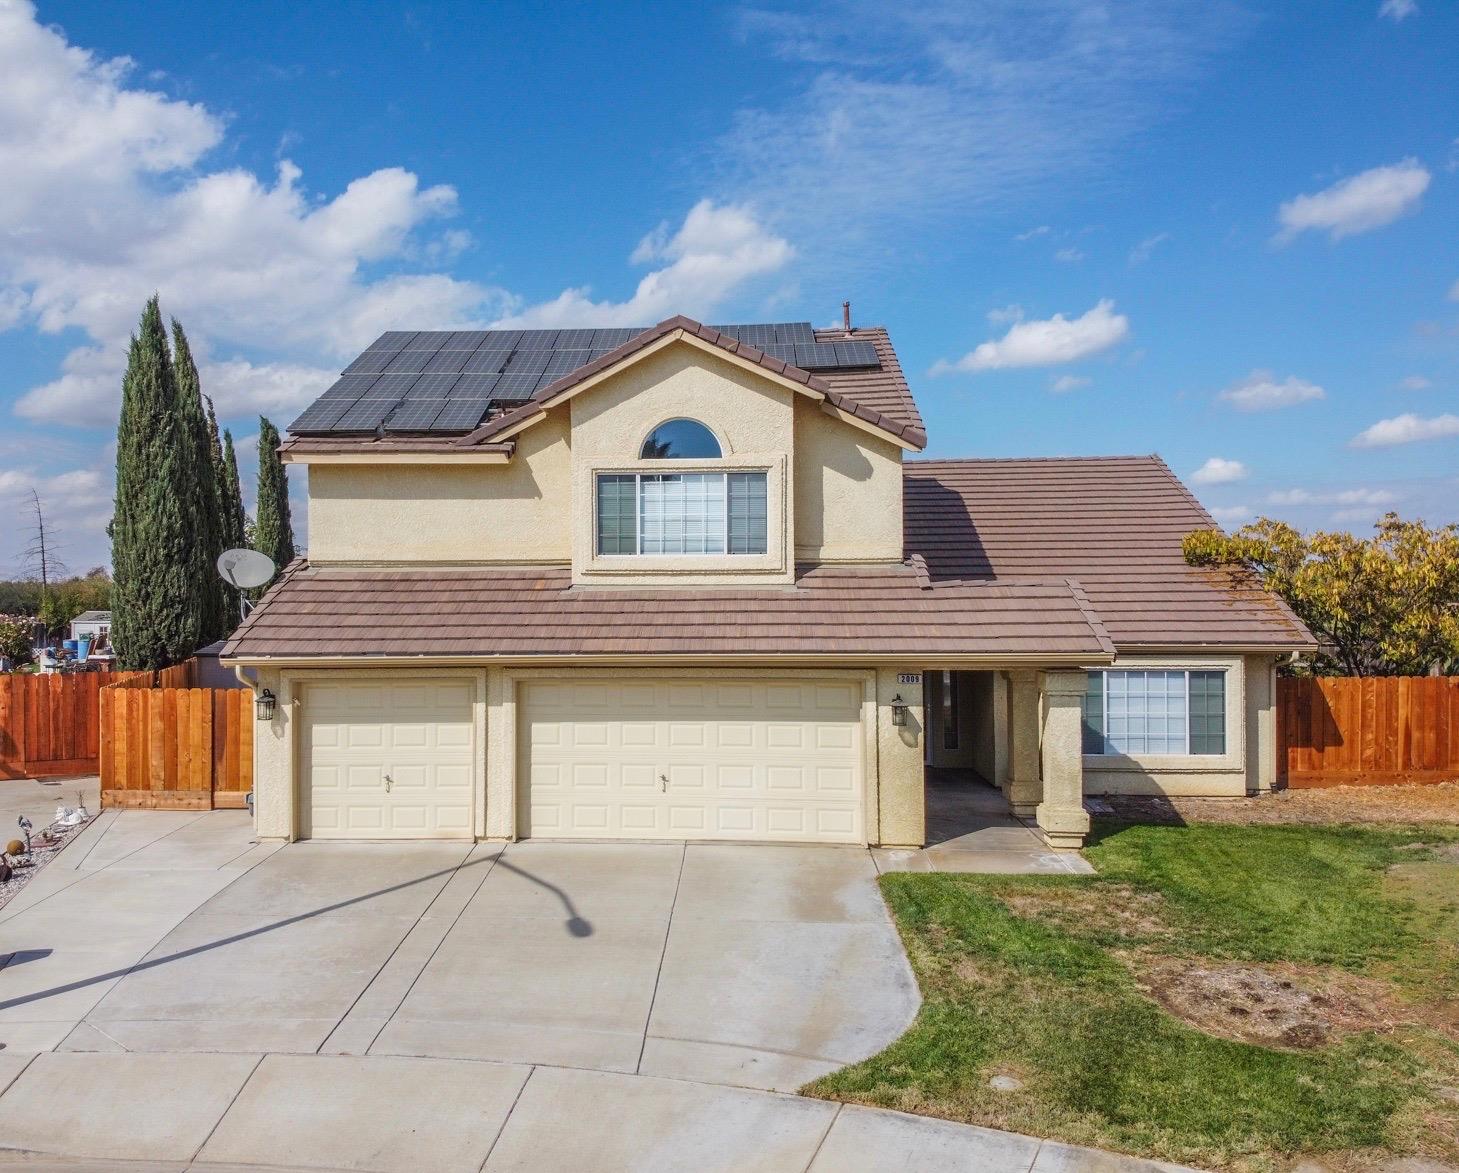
<point x="1222" y="231"/>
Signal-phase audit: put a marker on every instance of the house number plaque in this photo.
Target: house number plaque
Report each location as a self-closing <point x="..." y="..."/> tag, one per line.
<point x="909" y="678"/>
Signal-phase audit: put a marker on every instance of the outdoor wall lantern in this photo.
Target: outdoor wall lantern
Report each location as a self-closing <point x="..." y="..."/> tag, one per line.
<point x="264" y="705"/>
<point x="899" y="710"/>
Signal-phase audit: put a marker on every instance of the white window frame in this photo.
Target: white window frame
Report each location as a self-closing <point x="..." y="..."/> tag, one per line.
<point x="639" y="552"/>
<point x="1104" y="675"/>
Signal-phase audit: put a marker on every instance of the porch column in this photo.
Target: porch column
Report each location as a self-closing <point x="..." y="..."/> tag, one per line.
<point x="1025" y="788"/>
<point x="1061" y="815"/>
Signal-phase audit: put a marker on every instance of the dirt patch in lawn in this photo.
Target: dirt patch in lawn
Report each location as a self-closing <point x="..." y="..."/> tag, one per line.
<point x="1110" y="909"/>
<point x="1438" y="803"/>
<point x="1276" y="1006"/>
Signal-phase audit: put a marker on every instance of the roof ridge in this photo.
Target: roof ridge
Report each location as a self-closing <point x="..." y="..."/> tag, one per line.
<point x="542" y="398"/>
<point x="1030" y="459"/>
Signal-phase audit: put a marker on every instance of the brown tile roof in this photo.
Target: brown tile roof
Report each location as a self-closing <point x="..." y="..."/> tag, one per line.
<point x="883" y="389"/>
<point x="1113" y="523"/>
<point x="535" y="611"/>
<point x="856" y="401"/>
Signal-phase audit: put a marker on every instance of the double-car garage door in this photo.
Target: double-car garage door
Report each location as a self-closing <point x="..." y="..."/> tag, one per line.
<point x="638" y="758"/>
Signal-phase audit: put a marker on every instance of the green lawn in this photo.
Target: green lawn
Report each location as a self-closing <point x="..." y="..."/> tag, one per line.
<point x="1052" y="981"/>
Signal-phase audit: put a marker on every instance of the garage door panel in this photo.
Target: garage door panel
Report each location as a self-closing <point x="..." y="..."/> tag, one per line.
<point x="774" y="760"/>
<point x="388" y="761"/>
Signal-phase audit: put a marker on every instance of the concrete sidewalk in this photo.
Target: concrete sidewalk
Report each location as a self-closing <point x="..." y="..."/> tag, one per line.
<point x="392" y="1114"/>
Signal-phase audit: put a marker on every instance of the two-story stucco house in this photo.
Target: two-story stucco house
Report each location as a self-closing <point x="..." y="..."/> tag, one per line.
<point x="692" y="583"/>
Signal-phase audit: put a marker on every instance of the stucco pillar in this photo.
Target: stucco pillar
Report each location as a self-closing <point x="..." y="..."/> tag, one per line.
<point x="273" y="763"/>
<point x="1061" y="815"/>
<point x="1024" y="788"/>
<point x="901" y="798"/>
<point x="1260" y="680"/>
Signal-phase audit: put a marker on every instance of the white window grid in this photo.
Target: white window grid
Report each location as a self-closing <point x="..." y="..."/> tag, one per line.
<point x="722" y="513"/>
<point x="1183" y="696"/>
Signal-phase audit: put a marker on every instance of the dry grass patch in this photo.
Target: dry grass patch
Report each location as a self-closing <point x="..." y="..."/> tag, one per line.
<point x="1289" y="1006"/>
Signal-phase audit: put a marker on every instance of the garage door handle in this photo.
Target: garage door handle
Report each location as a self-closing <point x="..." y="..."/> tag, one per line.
<point x="389" y="782"/>
<point x="663" y="782"/>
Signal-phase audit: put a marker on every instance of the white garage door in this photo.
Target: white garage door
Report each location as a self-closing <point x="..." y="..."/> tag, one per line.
<point x="388" y="760"/>
<point x="692" y="759"/>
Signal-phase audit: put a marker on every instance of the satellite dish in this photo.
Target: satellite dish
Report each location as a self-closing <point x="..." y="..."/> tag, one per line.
<point x="245" y="568"/>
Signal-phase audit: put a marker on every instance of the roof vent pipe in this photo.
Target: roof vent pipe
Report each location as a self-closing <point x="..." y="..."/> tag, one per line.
<point x="846" y="317"/>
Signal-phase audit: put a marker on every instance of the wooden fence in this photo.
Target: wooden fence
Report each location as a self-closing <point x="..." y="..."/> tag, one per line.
<point x="1372" y="730"/>
<point x="50" y="725"/>
<point x="176" y="748"/>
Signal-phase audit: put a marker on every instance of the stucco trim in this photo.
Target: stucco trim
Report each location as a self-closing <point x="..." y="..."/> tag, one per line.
<point x="370" y="456"/>
<point x="1001" y="660"/>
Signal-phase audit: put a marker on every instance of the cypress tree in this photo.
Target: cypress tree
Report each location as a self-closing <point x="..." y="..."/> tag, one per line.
<point x="213" y="609"/>
<point x="155" y="600"/>
<point x="273" y="530"/>
<point x="233" y="515"/>
<point x="226" y="538"/>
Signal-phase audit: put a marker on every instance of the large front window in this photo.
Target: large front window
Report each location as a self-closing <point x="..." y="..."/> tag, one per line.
<point x="1155" y="712"/>
<point x="682" y="513"/>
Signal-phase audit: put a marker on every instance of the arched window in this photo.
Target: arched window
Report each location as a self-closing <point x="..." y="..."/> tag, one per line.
<point x="680" y="439"/>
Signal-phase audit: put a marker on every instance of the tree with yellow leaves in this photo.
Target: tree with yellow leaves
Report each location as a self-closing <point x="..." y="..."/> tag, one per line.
<point x="1381" y="606"/>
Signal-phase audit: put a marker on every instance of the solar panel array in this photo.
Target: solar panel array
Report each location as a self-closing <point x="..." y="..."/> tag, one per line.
<point x="440" y="381"/>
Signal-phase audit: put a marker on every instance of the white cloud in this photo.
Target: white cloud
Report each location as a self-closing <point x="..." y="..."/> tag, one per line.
<point x="951" y="111"/>
<point x="1357" y="204"/>
<point x="1033" y="233"/>
<point x="1005" y="314"/>
<point x="1219" y="471"/>
<point x="718" y="248"/>
<point x="1143" y="251"/>
<point x="1069" y="256"/>
<point x="1359" y="496"/>
<point x="1066" y="383"/>
<point x="1414" y="383"/>
<point x="1260" y="391"/>
<point x="1047" y="343"/>
<point x="108" y="198"/>
<point x="1407" y="428"/>
<point x="1232" y="516"/>
<point x="1397" y="10"/>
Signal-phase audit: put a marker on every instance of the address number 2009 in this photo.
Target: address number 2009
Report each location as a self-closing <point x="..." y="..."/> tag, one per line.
<point x="909" y="678"/>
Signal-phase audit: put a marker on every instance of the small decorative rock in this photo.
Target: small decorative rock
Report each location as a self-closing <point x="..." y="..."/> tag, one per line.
<point x="1005" y="1083"/>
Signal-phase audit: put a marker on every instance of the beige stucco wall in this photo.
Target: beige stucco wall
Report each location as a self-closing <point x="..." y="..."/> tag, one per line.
<point x="515" y="512"/>
<point x="1248" y="739"/>
<point x="902" y="807"/>
<point x="892" y="754"/>
<point x="848" y="491"/>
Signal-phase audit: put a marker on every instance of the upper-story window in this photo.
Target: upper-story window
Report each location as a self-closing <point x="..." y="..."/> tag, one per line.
<point x="682" y="513"/>
<point x="680" y="439"/>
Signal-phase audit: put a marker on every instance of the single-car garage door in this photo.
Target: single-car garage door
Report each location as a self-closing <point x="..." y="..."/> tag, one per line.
<point x="692" y="759"/>
<point x="387" y="760"/>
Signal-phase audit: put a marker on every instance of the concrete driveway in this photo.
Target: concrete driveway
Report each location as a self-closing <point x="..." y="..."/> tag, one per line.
<point x="179" y="993"/>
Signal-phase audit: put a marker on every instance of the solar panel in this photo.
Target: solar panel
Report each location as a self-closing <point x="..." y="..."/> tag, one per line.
<point x="431" y="340"/>
<point x="459" y="415"/>
<point x="856" y="354"/>
<point x="414" y="415"/>
<point x="449" y="380"/>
